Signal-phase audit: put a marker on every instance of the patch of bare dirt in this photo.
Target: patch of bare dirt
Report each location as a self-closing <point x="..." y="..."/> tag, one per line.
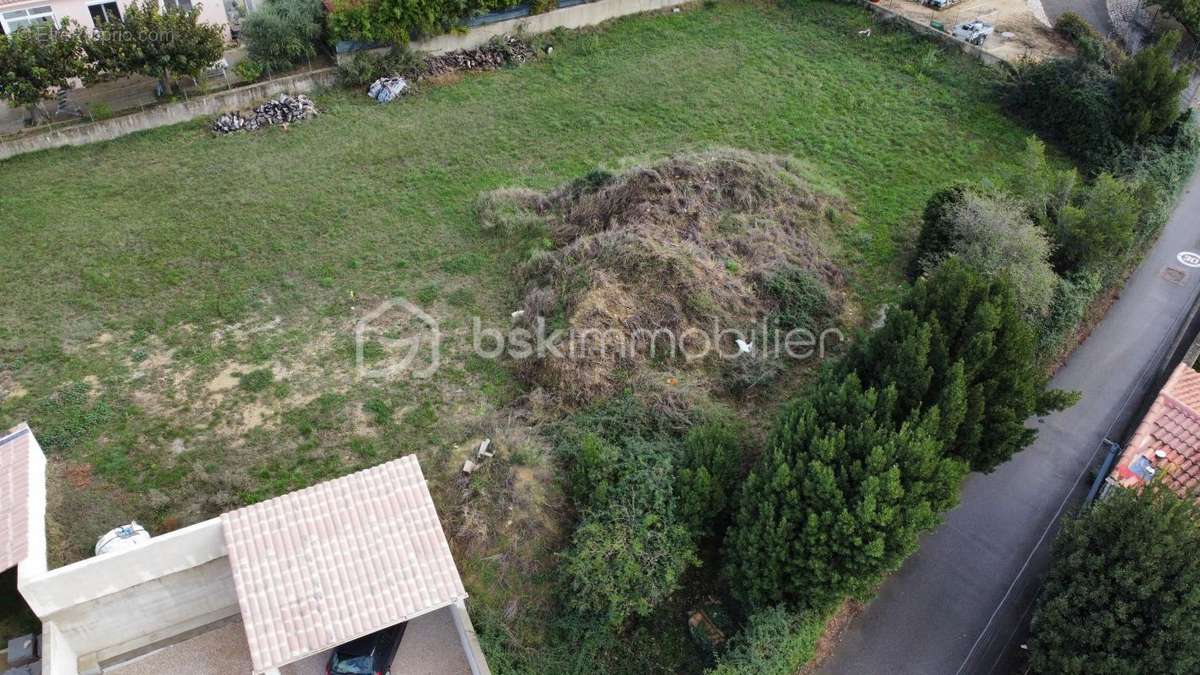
<point x="1022" y="29"/>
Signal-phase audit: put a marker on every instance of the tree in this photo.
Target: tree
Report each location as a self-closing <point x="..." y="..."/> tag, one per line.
<point x="838" y="498"/>
<point x="1123" y="592"/>
<point x="960" y="341"/>
<point x="1186" y="12"/>
<point x="1148" y="89"/>
<point x="284" y="33"/>
<point x="150" y="41"/>
<point x="38" y="59"/>
<point x="1097" y="228"/>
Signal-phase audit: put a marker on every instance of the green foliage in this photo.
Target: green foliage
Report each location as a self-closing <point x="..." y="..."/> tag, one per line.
<point x="630" y="549"/>
<point x="838" y="498"/>
<point x="257" y="380"/>
<point x="164" y="43"/>
<point x="993" y="236"/>
<point x="746" y="371"/>
<point x="1123" y="593"/>
<point x="937" y="234"/>
<point x="399" y="21"/>
<point x="709" y="466"/>
<point x="1072" y="298"/>
<point x="1091" y="44"/>
<point x="1186" y="12"/>
<point x="284" y="33"/>
<point x="775" y="641"/>
<point x="1099" y="226"/>
<point x="249" y="70"/>
<point x="39" y="57"/>
<point x="368" y="66"/>
<point x="802" y="301"/>
<point x="957" y="330"/>
<point x="1071" y="102"/>
<point x="1148" y="89"/>
<point x="542" y="6"/>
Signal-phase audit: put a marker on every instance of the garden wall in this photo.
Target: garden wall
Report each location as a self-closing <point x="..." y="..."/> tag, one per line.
<point x="170" y="113"/>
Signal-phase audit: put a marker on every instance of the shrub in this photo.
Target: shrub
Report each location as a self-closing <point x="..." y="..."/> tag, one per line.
<point x="802" y="301"/>
<point x="1074" y="27"/>
<point x="748" y="370"/>
<point x="993" y="236"/>
<point x="399" y="21"/>
<point x="257" y="380"/>
<point x="1099" y="227"/>
<point x="1071" y="300"/>
<point x="249" y="70"/>
<point x="368" y="66"/>
<point x="937" y="235"/>
<point x="166" y="43"/>
<point x="1123" y="592"/>
<point x="1148" y="89"/>
<point x="1071" y="102"/>
<point x="39" y="59"/>
<point x="284" y="33"/>
<point x="542" y="6"/>
<point x="775" y="641"/>
<point x="630" y="549"/>
<point x="838" y="498"/>
<point x="709" y="465"/>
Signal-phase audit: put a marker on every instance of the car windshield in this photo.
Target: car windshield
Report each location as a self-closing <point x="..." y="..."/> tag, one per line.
<point x="355" y="665"/>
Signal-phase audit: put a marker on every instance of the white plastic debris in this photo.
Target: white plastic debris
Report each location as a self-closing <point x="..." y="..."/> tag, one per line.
<point x="469" y="466"/>
<point x="387" y="88"/>
<point x="518" y="314"/>
<point x="744" y="347"/>
<point x="483" y="451"/>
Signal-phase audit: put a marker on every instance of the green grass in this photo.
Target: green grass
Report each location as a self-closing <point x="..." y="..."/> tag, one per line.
<point x="159" y="242"/>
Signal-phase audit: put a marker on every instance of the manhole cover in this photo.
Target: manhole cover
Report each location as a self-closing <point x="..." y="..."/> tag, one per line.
<point x="1174" y="275"/>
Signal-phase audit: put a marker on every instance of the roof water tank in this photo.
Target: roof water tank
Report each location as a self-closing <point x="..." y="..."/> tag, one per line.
<point x="122" y="538"/>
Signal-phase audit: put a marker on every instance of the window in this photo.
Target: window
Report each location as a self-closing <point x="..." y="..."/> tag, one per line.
<point x="20" y="18"/>
<point x="177" y="4"/>
<point x="104" y="11"/>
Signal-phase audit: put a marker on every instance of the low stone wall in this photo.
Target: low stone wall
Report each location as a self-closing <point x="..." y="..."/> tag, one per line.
<point x="169" y="113"/>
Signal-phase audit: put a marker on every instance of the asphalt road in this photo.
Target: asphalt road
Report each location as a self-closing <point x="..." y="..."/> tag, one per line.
<point x="961" y="603"/>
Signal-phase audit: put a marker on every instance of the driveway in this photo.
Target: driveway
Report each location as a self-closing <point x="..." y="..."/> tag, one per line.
<point x="962" y="602"/>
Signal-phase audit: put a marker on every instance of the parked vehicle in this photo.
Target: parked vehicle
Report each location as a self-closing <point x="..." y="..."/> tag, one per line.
<point x="975" y="32"/>
<point x="368" y="655"/>
<point x="940" y="4"/>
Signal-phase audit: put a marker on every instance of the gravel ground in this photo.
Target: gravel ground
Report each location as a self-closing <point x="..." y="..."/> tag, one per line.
<point x="430" y="647"/>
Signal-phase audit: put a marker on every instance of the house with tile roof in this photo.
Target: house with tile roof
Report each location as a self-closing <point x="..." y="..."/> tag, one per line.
<point x="1166" y="445"/>
<point x="268" y="589"/>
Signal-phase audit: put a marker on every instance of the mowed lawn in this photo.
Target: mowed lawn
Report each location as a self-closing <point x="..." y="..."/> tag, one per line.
<point x="179" y="306"/>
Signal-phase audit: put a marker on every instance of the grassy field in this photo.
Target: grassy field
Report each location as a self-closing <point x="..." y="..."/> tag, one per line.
<point x="180" y="307"/>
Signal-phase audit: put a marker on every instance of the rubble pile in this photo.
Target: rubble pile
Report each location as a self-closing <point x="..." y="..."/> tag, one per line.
<point x="497" y="53"/>
<point x="284" y="110"/>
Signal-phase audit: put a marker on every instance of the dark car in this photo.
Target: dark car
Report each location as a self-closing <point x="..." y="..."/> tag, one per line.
<point x="368" y="655"/>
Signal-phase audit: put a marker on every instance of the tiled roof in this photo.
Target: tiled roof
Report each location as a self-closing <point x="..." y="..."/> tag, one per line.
<point x="14" y="496"/>
<point x="322" y="566"/>
<point x="1171" y="428"/>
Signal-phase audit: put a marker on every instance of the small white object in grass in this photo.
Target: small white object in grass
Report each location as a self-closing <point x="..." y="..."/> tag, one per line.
<point x="468" y="467"/>
<point x="483" y="449"/>
<point x="518" y="314"/>
<point x="744" y="347"/>
<point x="865" y="33"/>
<point x="675" y="10"/>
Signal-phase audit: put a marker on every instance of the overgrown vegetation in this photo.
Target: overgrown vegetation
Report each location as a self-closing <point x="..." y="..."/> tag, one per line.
<point x="1123" y="592"/>
<point x="284" y="33"/>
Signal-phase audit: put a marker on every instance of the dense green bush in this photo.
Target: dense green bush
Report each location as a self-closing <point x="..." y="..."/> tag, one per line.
<point x="630" y="549"/>
<point x="249" y="70"/>
<point x="774" y="641"/>
<point x="960" y="341"/>
<point x="1072" y="297"/>
<point x="937" y="234"/>
<point x="1098" y="226"/>
<point x="1149" y="89"/>
<point x="1123" y="592"/>
<point x="709" y="466"/>
<point x="399" y="21"/>
<point x="282" y="34"/>
<point x="1071" y="102"/>
<point x="1091" y="44"/>
<point x="838" y="498"/>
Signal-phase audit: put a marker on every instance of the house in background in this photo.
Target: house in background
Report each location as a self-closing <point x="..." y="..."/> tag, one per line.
<point x="1166" y="445"/>
<point x="268" y="589"/>
<point x="16" y="14"/>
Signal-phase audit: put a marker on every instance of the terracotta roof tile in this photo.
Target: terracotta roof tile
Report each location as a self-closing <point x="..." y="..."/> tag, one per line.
<point x="14" y="496"/>
<point x="322" y="566"/>
<point x="1172" y="425"/>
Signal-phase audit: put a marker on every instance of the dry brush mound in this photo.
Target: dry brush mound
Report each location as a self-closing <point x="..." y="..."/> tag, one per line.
<point x="642" y="268"/>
